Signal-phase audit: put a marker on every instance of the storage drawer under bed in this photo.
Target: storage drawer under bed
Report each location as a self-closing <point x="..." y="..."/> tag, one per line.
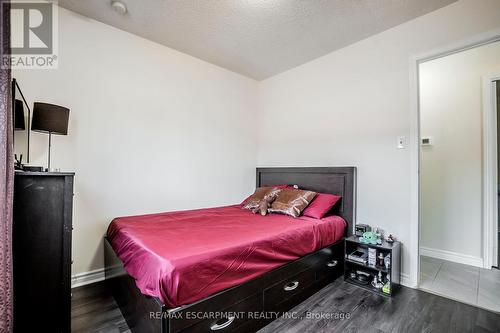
<point x="240" y="317"/>
<point x="280" y="295"/>
<point x="331" y="263"/>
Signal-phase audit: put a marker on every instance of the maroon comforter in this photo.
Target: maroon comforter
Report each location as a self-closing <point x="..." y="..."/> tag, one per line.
<point x="182" y="257"/>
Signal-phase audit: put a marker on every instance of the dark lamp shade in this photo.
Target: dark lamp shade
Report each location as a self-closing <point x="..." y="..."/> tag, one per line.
<point x="50" y="118"/>
<point x="19" y="115"/>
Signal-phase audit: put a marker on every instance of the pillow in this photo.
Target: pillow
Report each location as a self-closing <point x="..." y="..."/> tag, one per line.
<point x="261" y="193"/>
<point x="250" y="196"/>
<point x="291" y="201"/>
<point x="321" y="205"/>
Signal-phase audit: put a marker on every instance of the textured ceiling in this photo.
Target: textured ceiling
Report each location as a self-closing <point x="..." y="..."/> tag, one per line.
<point x="257" y="38"/>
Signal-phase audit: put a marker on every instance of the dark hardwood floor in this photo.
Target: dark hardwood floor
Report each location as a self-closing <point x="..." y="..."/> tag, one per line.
<point x="93" y="310"/>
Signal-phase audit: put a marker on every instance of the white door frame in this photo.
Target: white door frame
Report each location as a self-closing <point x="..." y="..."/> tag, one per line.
<point x="415" y="61"/>
<point x="490" y="181"/>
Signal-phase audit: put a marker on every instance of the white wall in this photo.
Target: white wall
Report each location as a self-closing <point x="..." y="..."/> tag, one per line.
<point x="151" y="129"/>
<point x="451" y="168"/>
<point x="349" y="107"/>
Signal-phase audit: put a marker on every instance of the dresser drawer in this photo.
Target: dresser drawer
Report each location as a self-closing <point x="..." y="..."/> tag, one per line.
<point x="236" y="318"/>
<point x="278" y="296"/>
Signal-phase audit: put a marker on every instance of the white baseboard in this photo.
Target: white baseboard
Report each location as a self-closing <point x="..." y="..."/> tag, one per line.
<point x="406" y="281"/>
<point x="81" y="279"/>
<point x="452" y="256"/>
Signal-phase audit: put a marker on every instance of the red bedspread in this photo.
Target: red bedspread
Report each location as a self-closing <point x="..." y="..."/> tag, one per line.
<point x="182" y="257"/>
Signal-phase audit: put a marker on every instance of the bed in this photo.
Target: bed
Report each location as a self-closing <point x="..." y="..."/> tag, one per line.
<point x="238" y="271"/>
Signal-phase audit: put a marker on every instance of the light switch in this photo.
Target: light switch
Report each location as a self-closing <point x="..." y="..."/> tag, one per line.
<point x="401" y="142"/>
<point x="426" y="141"/>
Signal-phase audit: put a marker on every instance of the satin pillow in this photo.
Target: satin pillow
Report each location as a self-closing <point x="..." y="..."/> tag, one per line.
<point x="267" y="194"/>
<point x="250" y="196"/>
<point x="321" y="205"/>
<point x="291" y="202"/>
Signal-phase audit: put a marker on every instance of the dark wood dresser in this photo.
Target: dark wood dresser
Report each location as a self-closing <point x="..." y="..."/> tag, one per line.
<point x="43" y="204"/>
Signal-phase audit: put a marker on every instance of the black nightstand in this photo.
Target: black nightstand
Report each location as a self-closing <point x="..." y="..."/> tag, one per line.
<point x="394" y="249"/>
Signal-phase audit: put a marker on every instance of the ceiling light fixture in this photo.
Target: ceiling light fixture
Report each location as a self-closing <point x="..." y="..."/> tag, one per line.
<point x="119" y="7"/>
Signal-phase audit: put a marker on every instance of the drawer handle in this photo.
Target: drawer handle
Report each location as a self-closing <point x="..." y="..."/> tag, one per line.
<point x="216" y="327"/>
<point x="291" y="286"/>
<point x="332" y="263"/>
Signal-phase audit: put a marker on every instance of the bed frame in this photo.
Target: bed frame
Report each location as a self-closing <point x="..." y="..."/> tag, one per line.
<point x="253" y="304"/>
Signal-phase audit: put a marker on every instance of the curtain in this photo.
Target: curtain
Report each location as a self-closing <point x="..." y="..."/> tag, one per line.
<point x="6" y="179"/>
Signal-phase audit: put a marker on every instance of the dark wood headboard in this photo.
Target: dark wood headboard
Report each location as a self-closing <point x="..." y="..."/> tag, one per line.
<point x="334" y="180"/>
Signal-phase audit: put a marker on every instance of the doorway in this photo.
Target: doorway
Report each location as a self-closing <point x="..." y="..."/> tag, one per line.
<point x="455" y="251"/>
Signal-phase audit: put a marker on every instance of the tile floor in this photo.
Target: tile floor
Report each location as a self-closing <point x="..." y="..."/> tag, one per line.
<point x="468" y="284"/>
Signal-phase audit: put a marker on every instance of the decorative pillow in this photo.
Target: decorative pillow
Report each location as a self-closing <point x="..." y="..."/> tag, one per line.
<point x="250" y="196"/>
<point x="321" y="205"/>
<point x="291" y="202"/>
<point x="261" y="193"/>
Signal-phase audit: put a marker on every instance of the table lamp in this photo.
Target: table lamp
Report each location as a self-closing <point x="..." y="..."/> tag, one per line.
<point x="51" y="119"/>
